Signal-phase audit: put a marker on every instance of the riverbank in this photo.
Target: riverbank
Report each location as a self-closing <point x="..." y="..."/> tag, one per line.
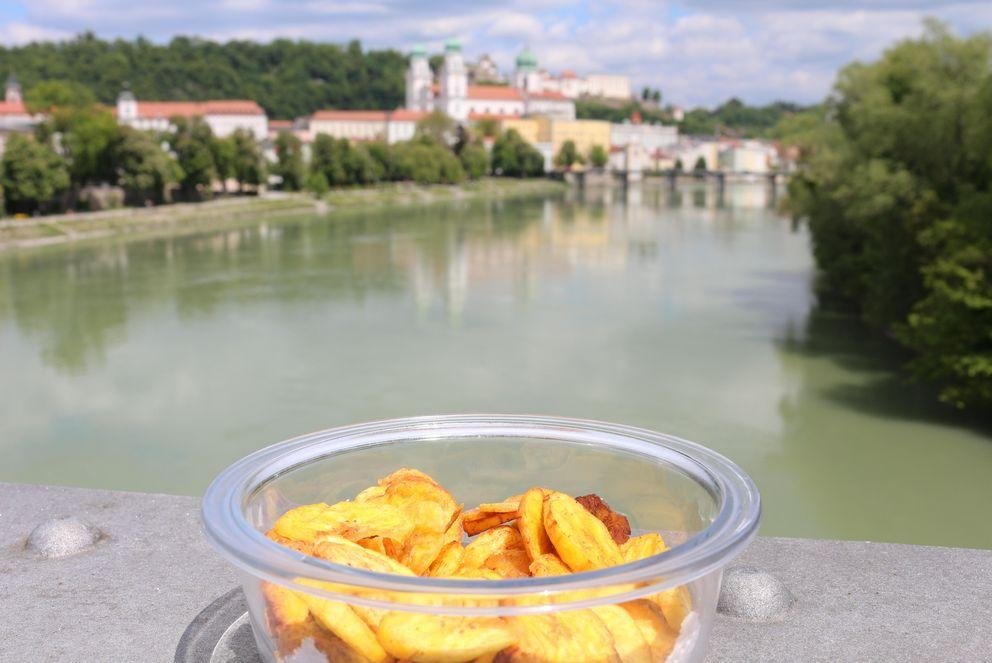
<point x="151" y="573"/>
<point x="182" y="218"/>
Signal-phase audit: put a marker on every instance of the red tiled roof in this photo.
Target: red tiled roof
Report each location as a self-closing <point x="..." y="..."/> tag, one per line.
<point x="549" y="95"/>
<point x="354" y="115"/>
<point x="408" y="115"/>
<point x="496" y="92"/>
<point x="280" y="124"/>
<point x="167" y="109"/>
<point x="568" y="73"/>
<point x="13" y="108"/>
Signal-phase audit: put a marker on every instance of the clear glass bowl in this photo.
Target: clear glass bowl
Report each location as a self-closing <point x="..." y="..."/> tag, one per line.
<point x="706" y="508"/>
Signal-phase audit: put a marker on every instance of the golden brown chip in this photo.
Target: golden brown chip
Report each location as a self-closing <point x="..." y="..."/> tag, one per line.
<point x="491" y="542"/>
<point x="442" y="639"/>
<point x="580" y="539"/>
<point x="509" y="563"/>
<point x="340" y="550"/>
<point x="562" y="637"/>
<point x="352" y="520"/>
<point x="448" y="561"/>
<point x="476" y="523"/>
<point x="616" y="523"/>
<point x="333" y="648"/>
<point x="653" y="626"/>
<point x="370" y="493"/>
<point x="627" y="638"/>
<point x="285" y="608"/>
<point x="548" y="564"/>
<point x="531" y="523"/>
<point x="674" y="602"/>
<point x="342" y="621"/>
<point x="305" y="547"/>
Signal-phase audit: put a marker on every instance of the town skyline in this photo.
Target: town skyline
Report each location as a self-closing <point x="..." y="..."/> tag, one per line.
<point x="698" y="52"/>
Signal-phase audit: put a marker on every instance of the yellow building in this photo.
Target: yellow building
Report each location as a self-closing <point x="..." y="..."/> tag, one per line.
<point x="548" y="134"/>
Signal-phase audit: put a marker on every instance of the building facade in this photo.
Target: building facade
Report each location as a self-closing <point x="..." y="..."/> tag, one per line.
<point x="361" y="126"/>
<point x="14" y="116"/>
<point x="224" y="116"/>
<point x="652" y="137"/>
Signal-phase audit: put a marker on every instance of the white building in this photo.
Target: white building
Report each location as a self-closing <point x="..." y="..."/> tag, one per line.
<point x="361" y="126"/>
<point x="14" y="117"/>
<point x="453" y="95"/>
<point x="748" y="156"/>
<point x="608" y="86"/>
<point x="652" y="137"/>
<point x="224" y="116"/>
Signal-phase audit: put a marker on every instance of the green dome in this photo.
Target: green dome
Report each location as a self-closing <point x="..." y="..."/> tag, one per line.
<point x="452" y="46"/>
<point x="418" y="51"/>
<point x="526" y="59"/>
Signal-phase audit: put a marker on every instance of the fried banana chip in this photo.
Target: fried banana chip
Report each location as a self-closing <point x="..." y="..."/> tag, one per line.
<point x="575" y="636"/>
<point x="340" y="550"/>
<point x="509" y="564"/>
<point x="480" y="521"/>
<point x="508" y="505"/>
<point x="342" y="621"/>
<point x="653" y="627"/>
<point x="531" y="524"/>
<point x="548" y="564"/>
<point x="674" y="602"/>
<point x="616" y="523"/>
<point x="442" y="639"/>
<point x="285" y="607"/>
<point x="448" y="561"/>
<point x="305" y="547"/>
<point x="627" y="638"/>
<point x="492" y="542"/>
<point x="352" y="520"/>
<point x="580" y="539"/>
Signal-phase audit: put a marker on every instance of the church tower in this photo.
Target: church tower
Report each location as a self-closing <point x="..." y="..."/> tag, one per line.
<point x="526" y="76"/>
<point x="12" y="91"/>
<point x="418" y="81"/>
<point x="454" y="82"/>
<point x="127" y="106"/>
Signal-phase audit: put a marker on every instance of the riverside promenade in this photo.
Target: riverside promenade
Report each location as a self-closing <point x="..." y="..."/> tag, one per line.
<point x="131" y="596"/>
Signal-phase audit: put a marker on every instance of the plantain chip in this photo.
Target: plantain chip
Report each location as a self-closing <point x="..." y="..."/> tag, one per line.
<point x="352" y="520"/>
<point x="305" y="547"/>
<point x="674" y="602"/>
<point x="575" y="636"/>
<point x="580" y="539"/>
<point x="531" y="523"/>
<point x="442" y="639"/>
<point x="627" y="638"/>
<point x="478" y="522"/>
<point x="285" y="608"/>
<point x="548" y="564"/>
<point x="342" y="621"/>
<point x="448" y="561"/>
<point x="509" y="564"/>
<point x="491" y="542"/>
<point x="340" y="550"/>
<point x="653" y="626"/>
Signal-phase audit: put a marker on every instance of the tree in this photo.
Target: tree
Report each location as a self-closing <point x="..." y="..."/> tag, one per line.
<point x="699" y="168"/>
<point x="645" y="94"/>
<point x="487" y="127"/>
<point x="656" y="96"/>
<point x="598" y="156"/>
<point x="512" y="156"/>
<point x="438" y="126"/>
<point x="289" y="161"/>
<point x="192" y="141"/>
<point x="247" y="160"/>
<point x="897" y="191"/>
<point x="49" y="95"/>
<point x="475" y="160"/>
<point x="31" y="174"/>
<point x="568" y="155"/>
<point x="88" y="138"/>
<point x="361" y="167"/>
<point x="317" y="183"/>
<point x="679" y="166"/>
<point x="143" y="168"/>
<point x="224" y="154"/>
<point x="327" y="156"/>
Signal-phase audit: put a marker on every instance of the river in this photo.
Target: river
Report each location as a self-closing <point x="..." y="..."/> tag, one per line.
<point x="151" y="364"/>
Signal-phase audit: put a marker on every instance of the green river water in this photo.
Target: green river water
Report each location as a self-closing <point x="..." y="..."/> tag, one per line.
<point x="152" y="364"/>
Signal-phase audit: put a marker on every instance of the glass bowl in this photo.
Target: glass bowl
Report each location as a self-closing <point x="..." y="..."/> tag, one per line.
<point x="704" y="506"/>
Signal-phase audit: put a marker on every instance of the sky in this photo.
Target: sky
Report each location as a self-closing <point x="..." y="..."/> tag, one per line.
<point x="698" y="52"/>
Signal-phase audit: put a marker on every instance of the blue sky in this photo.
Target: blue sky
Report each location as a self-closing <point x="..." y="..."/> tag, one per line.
<point x="696" y="51"/>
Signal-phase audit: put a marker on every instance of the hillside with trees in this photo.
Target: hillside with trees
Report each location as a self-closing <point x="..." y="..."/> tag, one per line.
<point x="287" y="78"/>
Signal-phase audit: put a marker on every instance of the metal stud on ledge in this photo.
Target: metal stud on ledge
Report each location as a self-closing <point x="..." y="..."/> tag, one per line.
<point x="62" y="537"/>
<point x="754" y="595"/>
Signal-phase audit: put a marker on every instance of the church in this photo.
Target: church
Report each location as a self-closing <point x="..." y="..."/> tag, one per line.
<point x="452" y="94"/>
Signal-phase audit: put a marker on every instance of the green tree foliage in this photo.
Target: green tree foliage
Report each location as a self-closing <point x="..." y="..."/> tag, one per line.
<point x="289" y="161"/>
<point x="679" y="166"/>
<point x="568" y="156"/>
<point x="487" y="128"/>
<point x="288" y="78"/>
<point x="592" y="109"/>
<point x="88" y="138"/>
<point x="361" y="167"/>
<point x="46" y="96"/>
<point x="194" y="145"/>
<point x="317" y="183"/>
<point x="438" y="126"/>
<point x="512" y="156"/>
<point x="144" y="169"/>
<point x="598" y="156"/>
<point x="327" y="156"/>
<point x="475" y="160"/>
<point x="426" y="162"/>
<point x="700" y="166"/>
<point x="248" y="162"/>
<point x="31" y="174"/>
<point x="897" y="190"/>
<point x="735" y="118"/>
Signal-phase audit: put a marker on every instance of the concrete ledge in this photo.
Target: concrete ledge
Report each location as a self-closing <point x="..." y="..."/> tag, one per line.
<point x="130" y="597"/>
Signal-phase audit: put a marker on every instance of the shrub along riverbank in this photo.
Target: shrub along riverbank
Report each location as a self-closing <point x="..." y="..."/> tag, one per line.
<point x="187" y="218"/>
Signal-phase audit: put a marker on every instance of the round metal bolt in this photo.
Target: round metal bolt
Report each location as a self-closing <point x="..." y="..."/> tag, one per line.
<point x="754" y="595"/>
<point x="61" y="537"/>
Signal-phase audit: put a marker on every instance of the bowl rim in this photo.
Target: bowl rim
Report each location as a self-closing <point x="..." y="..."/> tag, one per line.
<point x="731" y="530"/>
